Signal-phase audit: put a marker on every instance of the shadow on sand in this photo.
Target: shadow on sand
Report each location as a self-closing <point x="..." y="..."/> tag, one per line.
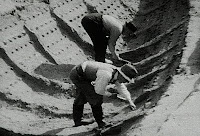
<point x="57" y="72"/>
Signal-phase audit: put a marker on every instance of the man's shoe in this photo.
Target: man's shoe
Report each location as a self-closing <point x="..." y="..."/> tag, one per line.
<point x="104" y="125"/>
<point x="84" y="123"/>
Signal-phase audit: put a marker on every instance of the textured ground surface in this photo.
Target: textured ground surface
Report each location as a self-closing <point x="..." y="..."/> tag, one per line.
<point x="40" y="42"/>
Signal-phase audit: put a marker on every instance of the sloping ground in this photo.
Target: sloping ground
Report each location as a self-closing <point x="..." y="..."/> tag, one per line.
<point x="40" y="43"/>
<point x="177" y="112"/>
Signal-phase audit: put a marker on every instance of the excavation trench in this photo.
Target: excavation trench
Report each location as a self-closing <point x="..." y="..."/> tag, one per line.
<point x="44" y="96"/>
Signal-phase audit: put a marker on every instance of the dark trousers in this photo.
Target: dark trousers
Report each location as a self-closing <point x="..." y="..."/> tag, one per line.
<point x="85" y="93"/>
<point x="94" y="27"/>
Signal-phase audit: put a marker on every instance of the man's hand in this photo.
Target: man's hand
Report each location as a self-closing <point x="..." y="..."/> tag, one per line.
<point x="108" y="94"/>
<point x="111" y="88"/>
<point x="111" y="95"/>
<point x="115" y="56"/>
<point x="132" y="106"/>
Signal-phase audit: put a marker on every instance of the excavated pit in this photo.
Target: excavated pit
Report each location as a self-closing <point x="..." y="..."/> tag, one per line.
<point x="40" y="42"/>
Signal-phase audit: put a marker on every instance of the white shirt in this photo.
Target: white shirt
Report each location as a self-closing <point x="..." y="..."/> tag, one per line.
<point x="103" y="77"/>
<point x="114" y="27"/>
<point x="102" y="80"/>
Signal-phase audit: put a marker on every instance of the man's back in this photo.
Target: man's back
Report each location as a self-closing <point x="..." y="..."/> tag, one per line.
<point x="91" y="68"/>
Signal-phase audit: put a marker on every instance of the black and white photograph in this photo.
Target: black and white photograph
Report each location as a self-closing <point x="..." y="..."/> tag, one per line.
<point x="99" y="67"/>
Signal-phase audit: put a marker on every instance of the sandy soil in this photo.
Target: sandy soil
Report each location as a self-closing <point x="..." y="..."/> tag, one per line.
<point x="40" y="42"/>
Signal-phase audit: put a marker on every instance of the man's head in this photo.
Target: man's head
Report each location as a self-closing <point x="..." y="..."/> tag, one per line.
<point x="126" y="73"/>
<point x="129" y="31"/>
<point x="131" y="26"/>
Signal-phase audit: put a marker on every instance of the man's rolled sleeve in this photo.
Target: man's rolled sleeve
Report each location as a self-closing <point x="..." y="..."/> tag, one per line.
<point x="122" y="90"/>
